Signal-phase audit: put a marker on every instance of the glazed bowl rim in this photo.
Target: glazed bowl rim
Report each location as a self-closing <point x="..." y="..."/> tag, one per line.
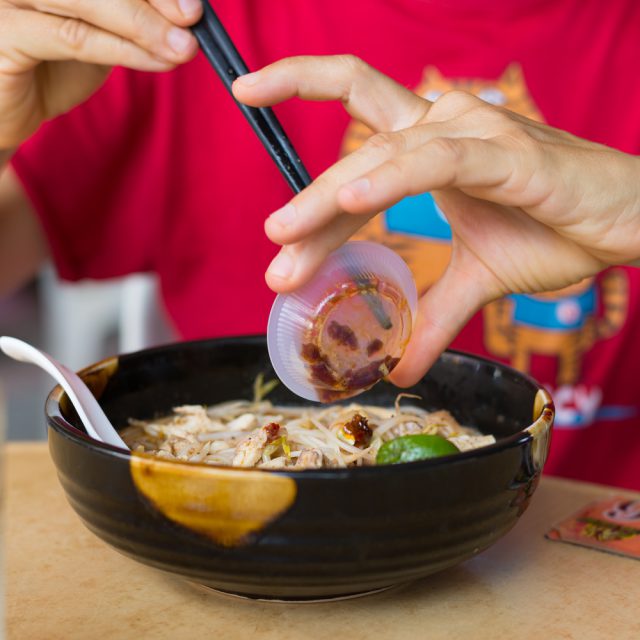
<point x="63" y="427"/>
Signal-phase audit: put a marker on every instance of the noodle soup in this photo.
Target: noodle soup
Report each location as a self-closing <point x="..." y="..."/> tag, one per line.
<point x="260" y="434"/>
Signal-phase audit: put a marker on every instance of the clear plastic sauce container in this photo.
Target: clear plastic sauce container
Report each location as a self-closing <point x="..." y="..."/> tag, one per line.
<point x="347" y="328"/>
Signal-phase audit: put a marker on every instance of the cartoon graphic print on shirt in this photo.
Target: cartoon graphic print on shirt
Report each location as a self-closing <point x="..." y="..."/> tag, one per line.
<point x="563" y="324"/>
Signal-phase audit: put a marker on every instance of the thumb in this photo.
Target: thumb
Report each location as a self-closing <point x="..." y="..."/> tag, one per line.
<point x="442" y="313"/>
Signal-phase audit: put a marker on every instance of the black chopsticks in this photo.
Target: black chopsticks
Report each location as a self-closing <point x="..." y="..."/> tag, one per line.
<point x="223" y="56"/>
<point x="229" y="65"/>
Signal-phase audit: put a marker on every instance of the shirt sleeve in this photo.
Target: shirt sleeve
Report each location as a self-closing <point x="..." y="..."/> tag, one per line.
<point x="90" y="176"/>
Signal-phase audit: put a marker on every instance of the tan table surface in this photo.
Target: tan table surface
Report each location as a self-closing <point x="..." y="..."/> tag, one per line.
<point x="65" y="583"/>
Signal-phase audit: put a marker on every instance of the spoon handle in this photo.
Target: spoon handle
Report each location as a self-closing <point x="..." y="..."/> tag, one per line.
<point x="91" y="414"/>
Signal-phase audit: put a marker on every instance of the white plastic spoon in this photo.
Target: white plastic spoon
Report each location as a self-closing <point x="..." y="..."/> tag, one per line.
<point x="93" y="417"/>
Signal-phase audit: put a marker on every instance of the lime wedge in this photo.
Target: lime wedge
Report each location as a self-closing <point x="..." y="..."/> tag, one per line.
<point x="416" y="447"/>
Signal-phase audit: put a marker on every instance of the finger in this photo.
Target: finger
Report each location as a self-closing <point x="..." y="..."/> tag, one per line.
<point x="478" y="167"/>
<point x="182" y="12"/>
<point x="367" y="95"/>
<point x="134" y="20"/>
<point x="442" y="313"/>
<point x="296" y="263"/>
<point x="317" y="205"/>
<point x="55" y="38"/>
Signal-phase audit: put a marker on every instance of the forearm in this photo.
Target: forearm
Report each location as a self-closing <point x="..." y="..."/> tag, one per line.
<point x="23" y="247"/>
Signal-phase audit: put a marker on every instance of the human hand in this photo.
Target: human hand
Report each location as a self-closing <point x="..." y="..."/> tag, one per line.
<point x="55" y="53"/>
<point x="531" y="208"/>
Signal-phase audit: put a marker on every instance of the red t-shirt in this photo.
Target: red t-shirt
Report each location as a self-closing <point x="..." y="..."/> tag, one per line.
<point x="161" y="173"/>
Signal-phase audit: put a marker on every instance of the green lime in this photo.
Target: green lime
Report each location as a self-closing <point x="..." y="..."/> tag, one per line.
<point x="417" y="447"/>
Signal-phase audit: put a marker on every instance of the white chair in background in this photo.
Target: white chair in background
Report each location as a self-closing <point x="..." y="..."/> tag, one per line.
<point x="86" y="321"/>
<point x="143" y="321"/>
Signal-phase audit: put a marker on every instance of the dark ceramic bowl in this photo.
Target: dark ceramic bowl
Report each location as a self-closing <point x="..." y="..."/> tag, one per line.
<point x="299" y="535"/>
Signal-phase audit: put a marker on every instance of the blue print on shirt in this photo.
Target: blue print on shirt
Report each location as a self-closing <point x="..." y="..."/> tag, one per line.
<point x="419" y="216"/>
<point x="564" y="314"/>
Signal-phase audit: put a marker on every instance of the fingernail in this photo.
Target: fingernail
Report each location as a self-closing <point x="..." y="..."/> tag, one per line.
<point x="179" y="40"/>
<point x="359" y="187"/>
<point x="282" y="266"/>
<point x="285" y="216"/>
<point x="189" y="7"/>
<point x="249" y="79"/>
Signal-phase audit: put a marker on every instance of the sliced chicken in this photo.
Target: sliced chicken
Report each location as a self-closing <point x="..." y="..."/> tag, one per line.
<point x="309" y="459"/>
<point x="249" y="451"/>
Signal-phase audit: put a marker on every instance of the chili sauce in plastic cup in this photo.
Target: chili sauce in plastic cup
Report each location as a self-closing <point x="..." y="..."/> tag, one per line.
<point x="348" y="327"/>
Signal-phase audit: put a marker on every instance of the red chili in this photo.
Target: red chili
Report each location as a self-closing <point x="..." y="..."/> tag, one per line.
<point x="358" y="428"/>
<point x="370" y="374"/>
<point x="311" y="353"/>
<point x="322" y="373"/>
<point x="374" y="346"/>
<point x="272" y="430"/>
<point x="343" y="335"/>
